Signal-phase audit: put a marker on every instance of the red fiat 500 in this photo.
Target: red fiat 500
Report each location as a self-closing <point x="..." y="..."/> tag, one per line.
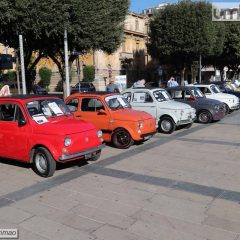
<point x="42" y="131"/>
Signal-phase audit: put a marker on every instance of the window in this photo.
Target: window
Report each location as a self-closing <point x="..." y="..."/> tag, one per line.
<point x="205" y="90"/>
<point x="142" y="97"/>
<point x="187" y="94"/>
<point x="91" y="105"/>
<point x="178" y="94"/>
<point x="73" y="104"/>
<point x="136" y="24"/>
<point x="128" y="96"/>
<point x="9" y="112"/>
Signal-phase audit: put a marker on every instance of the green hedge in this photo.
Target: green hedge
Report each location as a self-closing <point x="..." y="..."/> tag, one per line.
<point x="88" y="73"/>
<point x="45" y="76"/>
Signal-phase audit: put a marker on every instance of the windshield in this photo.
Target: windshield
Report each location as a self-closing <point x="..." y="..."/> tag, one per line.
<point x="197" y="93"/>
<point x="47" y="108"/>
<point x="116" y="102"/>
<point x="228" y="87"/>
<point x="215" y="89"/>
<point x="161" y="95"/>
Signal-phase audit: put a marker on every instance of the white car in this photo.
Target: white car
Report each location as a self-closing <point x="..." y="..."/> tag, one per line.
<point x="211" y="91"/>
<point x="168" y="113"/>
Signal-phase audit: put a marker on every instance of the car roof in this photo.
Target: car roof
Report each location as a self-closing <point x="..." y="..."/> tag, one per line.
<point x="26" y="97"/>
<point x="203" y="84"/>
<point x="99" y="93"/>
<point x="182" y="87"/>
<point x="144" y="88"/>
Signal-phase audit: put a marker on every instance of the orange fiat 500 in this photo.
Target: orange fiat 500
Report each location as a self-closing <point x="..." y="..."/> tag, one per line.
<point x="111" y="113"/>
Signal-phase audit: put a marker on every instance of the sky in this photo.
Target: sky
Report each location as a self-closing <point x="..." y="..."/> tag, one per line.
<point x="139" y="5"/>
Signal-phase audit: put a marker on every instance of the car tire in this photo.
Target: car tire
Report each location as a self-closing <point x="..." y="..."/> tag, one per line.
<point x="122" y="139"/>
<point x="43" y="163"/>
<point x="96" y="157"/>
<point x="227" y="109"/>
<point x="204" y="116"/>
<point x="167" y="125"/>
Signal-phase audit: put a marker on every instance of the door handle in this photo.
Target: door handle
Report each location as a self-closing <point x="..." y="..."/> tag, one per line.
<point x="78" y="116"/>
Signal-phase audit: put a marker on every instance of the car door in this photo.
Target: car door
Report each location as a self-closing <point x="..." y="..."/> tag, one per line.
<point x="190" y="99"/>
<point x="13" y="138"/>
<point x="90" y="112"/>
<point x="143" y="101"/>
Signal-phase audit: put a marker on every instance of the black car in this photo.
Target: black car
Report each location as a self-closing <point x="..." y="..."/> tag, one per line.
<point x="207" y="110"/>
<point x="83" y="87"/>
<point x="225" y="88"/>
<point x="39" y="90"/>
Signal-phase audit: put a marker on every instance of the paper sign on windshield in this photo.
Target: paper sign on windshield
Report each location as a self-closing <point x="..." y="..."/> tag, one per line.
<point x="122" y="102"/>
<point x="40" y="119"/>
<point x="139" y="97"/>
<point x="55" y="108"/>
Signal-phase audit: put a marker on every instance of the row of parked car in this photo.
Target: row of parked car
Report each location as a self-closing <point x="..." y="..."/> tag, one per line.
<point x="43" y="130"/>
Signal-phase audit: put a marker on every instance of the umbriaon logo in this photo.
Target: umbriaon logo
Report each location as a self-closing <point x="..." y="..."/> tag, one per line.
<point x="226" y="11"/>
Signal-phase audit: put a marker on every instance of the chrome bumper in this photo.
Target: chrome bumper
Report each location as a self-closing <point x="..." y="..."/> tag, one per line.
<point x="235" y="107"/>
<point x="81" y="154"/>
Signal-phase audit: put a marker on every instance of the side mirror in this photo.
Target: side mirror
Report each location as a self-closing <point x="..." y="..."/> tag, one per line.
<point x="21" y="122"/>
<point x="102" y="112"/>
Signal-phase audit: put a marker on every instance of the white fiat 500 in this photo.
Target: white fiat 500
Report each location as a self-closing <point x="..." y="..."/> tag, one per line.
<point x="168" y="113"/>
<point x="211" y="91"/>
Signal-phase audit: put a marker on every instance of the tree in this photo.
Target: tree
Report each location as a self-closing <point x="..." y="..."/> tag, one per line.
<point x="91" y="25"/>
<point x="45" y="75"/>
<point x="230" y="56"/>
<point x="181" y="32"/>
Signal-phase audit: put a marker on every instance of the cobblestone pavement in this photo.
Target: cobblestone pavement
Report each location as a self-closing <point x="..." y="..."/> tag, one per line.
<point x="184" y="186"/>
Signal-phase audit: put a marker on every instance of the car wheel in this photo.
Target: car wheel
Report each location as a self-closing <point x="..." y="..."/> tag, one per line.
<point x="227" y="109"/>
<point x="167" y="125"/>
<point x="43" y="163"/>
<point x="205" y="117"/>
<point x="121" y="138"/>
<point x="96" y="157"/>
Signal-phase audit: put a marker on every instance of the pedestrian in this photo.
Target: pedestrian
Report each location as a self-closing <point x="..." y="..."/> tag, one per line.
<point x="112" y="87"/>
<point x="139" y="83"/>
<point x="172" y="82"/>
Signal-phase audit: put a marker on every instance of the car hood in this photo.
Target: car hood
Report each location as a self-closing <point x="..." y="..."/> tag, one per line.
<point x="174" y="105"/>
<point x="224" y="96"/>
<point x="62" y="126"/>
<point x="208" y="101"/>
<point x="129" y="114"/>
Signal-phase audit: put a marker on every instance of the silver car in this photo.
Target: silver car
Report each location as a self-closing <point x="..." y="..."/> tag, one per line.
<point x="168" y="113"/>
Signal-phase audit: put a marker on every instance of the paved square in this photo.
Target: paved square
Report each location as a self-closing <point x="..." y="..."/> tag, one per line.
<point x="184" y="186"/>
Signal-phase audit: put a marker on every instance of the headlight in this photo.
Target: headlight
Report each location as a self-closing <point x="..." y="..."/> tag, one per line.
<point x="140" y="125"/>
<point x="99" y="133"/>
<point x="67" y="142"/>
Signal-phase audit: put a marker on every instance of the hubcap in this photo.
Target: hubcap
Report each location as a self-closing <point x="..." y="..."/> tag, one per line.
<point x="166" y="125"/>
<point x="203" y="117"/>
<point x="41" y="163"/>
